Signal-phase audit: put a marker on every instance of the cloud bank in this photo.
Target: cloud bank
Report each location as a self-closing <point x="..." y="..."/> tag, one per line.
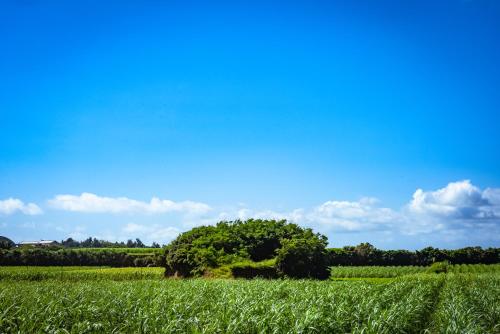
<point x="12" y="205"/>
<point x="460" y="212"/>
<point x="91" y="203"/>
<point x="456" y="208"/>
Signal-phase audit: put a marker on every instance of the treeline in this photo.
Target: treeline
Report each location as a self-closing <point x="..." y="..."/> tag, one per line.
<point x="69" y="257"/>
<point x="96" y="243"/>
<point x="243" y="247"/>
<point x="89" y="252"/>
<point x="366" y="254"/>
<point x="298" y="252"/>
<point x="6" y="243"/>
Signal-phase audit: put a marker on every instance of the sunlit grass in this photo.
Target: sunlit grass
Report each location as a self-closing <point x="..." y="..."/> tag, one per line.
<point x="140" y="300"/>
<point x="79" y="273"/>
<point x="215" y="306"/>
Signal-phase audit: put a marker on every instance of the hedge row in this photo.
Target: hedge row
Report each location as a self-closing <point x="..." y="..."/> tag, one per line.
<point x="367" y="255"/>
<point x="67" y="257"/>
<point x="263" y="269"/>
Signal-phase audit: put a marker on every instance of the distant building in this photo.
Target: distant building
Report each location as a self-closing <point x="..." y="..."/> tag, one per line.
<point x="40" y="243"/>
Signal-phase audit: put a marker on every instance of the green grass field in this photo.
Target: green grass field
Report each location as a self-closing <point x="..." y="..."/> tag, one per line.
<point x="374" y="271"/>
<point x="79" y="274"/>
<point x="139" y="300"/>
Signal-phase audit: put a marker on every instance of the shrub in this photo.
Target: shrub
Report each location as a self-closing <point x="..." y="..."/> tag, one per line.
<point x="438" y="267"/>
<point x="303" y="258"/>
<point x="194" y="252"/>
<point x="263" y="269"/>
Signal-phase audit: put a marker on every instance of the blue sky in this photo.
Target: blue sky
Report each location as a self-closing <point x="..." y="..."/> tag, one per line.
<point x="331" y="114"/>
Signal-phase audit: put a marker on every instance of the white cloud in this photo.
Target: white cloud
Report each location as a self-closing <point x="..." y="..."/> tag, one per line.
<point x="12" y="205"/>
<point x="78" y="235"/>
<point x="91" y="203"/>
<point x="492" y="195"/>
<point x="453" y="210"/>
<point x="460" y="210"/>
<point x="342" y="216"/>
<point x="149" y="233"/>
<point x="245" y="213"/>
<point x="354" y="216"/>
<point x="458" y="200"/>
<point x="133" y="228"/>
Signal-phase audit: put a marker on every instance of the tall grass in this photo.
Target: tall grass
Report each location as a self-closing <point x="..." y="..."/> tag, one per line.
<point x="469" y="304"/>
<point x="215" y="306"/>
<point x="474" y="268"/>
<point x="374" y="271"/>
<point x="136" y="300"/>
<point x="78" y="273"/>
<point x="388" y="271"/>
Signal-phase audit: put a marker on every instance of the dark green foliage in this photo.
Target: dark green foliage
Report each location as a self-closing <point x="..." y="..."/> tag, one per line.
<point x="367" y="255"/>
<point x="68" y="257"/>
<point x="96" y="243"/>
<point x="249" y="269"/>
<point x="137" y="243"/>
<point x="89" y="252"/>
<point x="303" y="257"/>
<point x="301" y="253"/>
<point x="6" y="243"/>
<point x="193" y="252"/>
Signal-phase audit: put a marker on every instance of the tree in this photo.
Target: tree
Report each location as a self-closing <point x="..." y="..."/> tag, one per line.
<point x="368" y="254"/>
<point x="430" y="255"/>
<point x="139" y="243"/>
<point x="96" y="243"/>
<point x="194" y="251"/>
<point x="6" y="243"/>
<point x="70" y="242"/>
<point x="303" y="257"/>
<point x="86" y="243"/>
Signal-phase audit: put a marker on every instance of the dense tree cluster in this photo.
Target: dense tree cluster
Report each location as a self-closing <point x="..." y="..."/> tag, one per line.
<point x="69" y="252"/>
<point x="298" y="252"/>
<point x="6" y="243"/>
<point x="303" y="257"/>
<point x="96" y="243"/>
<point x="367" y="255"/>
<point x="201" y="248"/>
<point x="28" y="256"/>
<point x="266" y="248"/>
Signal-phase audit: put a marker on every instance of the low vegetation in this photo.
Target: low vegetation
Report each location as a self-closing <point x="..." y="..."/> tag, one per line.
<point x="439" y="292"/>
<point x="120" y="300"/>
<point x="474" y="268"/>
<point x="374" y="271"/>
<point x="216" y="306"/>
<point x="391" y="271"/>
<point x="469" y="303"/>
<point x="78" y="274"/>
